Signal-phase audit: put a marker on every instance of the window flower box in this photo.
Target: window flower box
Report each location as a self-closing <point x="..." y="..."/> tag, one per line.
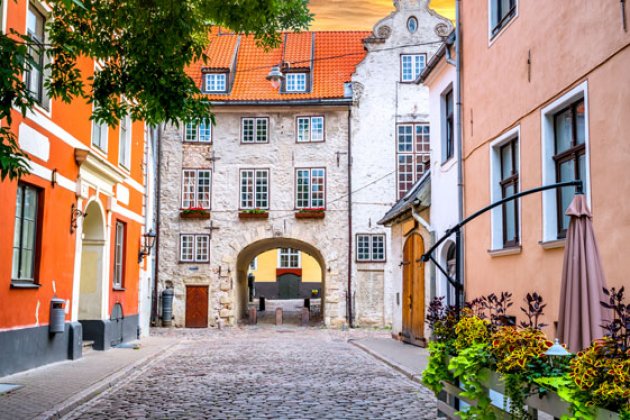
<point x="253" y="214"/>
<point x="310" y="214"/>
<point x="194" y="213"/>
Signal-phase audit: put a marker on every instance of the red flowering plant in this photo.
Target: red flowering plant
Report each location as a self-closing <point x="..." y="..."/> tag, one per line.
<point x="195" y="212"/>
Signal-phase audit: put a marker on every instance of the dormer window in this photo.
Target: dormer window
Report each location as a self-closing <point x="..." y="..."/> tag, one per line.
<point x="295" y="82"/>
<point x="215" y="82"/>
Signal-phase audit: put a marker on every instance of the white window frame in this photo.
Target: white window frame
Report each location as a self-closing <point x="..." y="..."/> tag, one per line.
<point x="196" y="127"/>
<point x="549" y="207"/>
<point x="196" y="193"/>
<point x="414" y="154"/>
<point x="296" y="82"/>
<point x="3" y="17"/>
<point x="311" y="133"/>
<point x="119" y="254"/>
<point x="45" y="104"/>
<point x="496" y="214"/>
<point x="254" y="177"/>
<point x="416" y="67"/>
<point x="255" y="134"/>
<point x="292" y="252"/>
<point x="218" y="85"/>
<point x="18" y="236"/>
<point x="124" y="144"/>
<point x="103" y="131"/>
<point x="310" y="188"/>
<point x="491" y="26"/>
<point x="371" y="237"/>
<point x="195" y="246"/>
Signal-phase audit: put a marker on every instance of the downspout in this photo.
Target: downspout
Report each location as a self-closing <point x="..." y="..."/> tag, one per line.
<point x="158" y="188"/>
<point x="349" y="297"/>
<point x="459" y="137"/>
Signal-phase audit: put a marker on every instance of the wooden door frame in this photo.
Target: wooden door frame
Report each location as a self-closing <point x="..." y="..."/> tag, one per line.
<point x="409" y="269"/>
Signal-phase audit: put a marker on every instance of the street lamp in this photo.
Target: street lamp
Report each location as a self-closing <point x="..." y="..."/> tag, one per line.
<point x="556" y="353"/>
<point x="148" y="240"/>
<point x="275" y="76"/>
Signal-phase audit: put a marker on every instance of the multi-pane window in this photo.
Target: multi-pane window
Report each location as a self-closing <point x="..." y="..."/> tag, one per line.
<point x="215" y="82"/>
<point x="289" y="258"/>
<point x="196" y="188"/>
<point x="254" y="189"/>
<point x="448" y="136"/>
<point x="509" y="186"/>
<point x="255" y="130"/>
<point x="198" y="132"/>
<point x="25" y="234"/>
<point x="35" y="29"/>
<point x="501" y="12"/>
<point x="569" y="156"/>
<point x="194" y="248"/>
<point x="310" y="188"/>
<point x="100" y="135"/>
<point x="370" y="247"/>
<point x="119" y="254"/>
<point x="310" y="129"/>
<point x="413" y="154"/>
<point x="295" y="82"/>
<point x="411" y="66"/>
<point x="124" y="146"/>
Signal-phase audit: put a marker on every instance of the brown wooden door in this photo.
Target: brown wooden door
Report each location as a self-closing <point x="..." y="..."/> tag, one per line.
<point x="413" y="290"/>
<point x="196" y="306"/>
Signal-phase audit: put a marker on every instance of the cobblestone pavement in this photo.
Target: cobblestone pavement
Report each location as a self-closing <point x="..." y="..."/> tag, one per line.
<point x="272" y="373"/>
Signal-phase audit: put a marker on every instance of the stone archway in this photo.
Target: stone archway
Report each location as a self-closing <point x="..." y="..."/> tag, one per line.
<point x="91" y="288"/>
<point x="248" y="253"/>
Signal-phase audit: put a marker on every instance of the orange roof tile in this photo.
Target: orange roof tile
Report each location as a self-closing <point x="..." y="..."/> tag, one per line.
<point x="336" y="55"/>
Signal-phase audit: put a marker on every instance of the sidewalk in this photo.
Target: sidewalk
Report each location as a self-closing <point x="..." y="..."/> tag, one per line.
<point x="405" y="358"/>
<point x="53" y="390"/>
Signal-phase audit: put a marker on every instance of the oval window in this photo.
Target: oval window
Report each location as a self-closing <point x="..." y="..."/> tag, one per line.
<point x="412" y="24"/>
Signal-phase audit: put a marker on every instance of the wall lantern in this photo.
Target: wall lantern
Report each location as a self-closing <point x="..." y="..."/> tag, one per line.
<point x="275" y="76"/>
<point x="556" y="353"/>
<point x="148" y="241"/>
<point x="75" y="214"/>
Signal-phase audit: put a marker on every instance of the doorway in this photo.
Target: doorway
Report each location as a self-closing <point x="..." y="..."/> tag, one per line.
<point x="413" y="291"/>
<point x="92" y="251"/>
<point x="196" y="307"/>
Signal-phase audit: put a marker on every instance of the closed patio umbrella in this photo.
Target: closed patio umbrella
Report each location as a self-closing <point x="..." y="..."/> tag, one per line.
<point x="581" y="313"/>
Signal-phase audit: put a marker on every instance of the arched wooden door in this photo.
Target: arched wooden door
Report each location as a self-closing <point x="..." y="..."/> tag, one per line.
<point x="413" y="291"/>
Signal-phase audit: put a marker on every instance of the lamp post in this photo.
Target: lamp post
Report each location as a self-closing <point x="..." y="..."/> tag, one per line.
<point x="556" y="354"/>
<point x="148" y="240"/>
<point x="275" y="76"/>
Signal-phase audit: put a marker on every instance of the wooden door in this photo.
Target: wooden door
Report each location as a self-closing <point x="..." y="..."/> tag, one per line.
<point x="196" y="306"/>
<point x="413" y="291"/>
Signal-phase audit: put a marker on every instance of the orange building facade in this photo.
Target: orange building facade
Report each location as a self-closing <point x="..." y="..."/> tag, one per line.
<point x="71" y="230"/>
<point x="546" y="95"/>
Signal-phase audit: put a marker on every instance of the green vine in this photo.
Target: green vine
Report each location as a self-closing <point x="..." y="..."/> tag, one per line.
<point x="437" y="369"/>
<point x="470" y="366"/>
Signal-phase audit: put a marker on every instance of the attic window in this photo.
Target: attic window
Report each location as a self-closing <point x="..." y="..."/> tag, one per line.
<point x="215" y="82"/>
<point x="412" y="24"/>
<point x="295" y="82"/>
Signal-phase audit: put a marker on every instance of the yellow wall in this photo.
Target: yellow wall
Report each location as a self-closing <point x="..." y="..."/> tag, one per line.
<point x="268" y="263"/>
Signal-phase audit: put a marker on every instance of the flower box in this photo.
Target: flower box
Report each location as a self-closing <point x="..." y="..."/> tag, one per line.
<point x="194" y="214"/>
<point x="253" y="215"/>
<point x="310" y="214"/>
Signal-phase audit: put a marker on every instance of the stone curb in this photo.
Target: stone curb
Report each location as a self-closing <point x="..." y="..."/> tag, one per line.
<point x="122" y="375"/>
<point x="416" y="377"/>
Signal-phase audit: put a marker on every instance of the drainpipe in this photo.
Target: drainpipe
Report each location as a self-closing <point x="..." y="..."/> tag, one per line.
<point x="349" y="297"/>
<point x="460" y="142"/>
<point x="158" y="188"/>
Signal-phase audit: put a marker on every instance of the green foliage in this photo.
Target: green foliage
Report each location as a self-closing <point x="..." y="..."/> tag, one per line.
<point x="437" y="368"/>
<point x="470" y="331"/>
<point x="254" y="211"/>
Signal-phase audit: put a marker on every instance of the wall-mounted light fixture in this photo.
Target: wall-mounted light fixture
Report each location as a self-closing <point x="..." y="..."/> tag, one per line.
<point x="148" y="241"/>
<point x="75" y="214"/>
<point x="275" y="77"/>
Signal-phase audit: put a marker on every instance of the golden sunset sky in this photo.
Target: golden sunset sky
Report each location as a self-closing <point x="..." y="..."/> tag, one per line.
<point x="362" y="14"/>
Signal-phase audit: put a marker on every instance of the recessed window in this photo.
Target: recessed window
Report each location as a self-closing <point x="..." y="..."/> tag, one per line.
<point x="413" y="154"/>
<point x="509" y="172"/>
<point x="100" y="133"/>
<point x="295" y="82"/>
<point x="119" y="254"/>
<point x="289" y="258"/>
<point x="254" y="189"/>
<point x="215" y="82"/>
<point x="411" y="66"/>
<point x="412" y="24"/>
<point x="310" y="129"/>
<point x="196" y="188"/>
<point x="501" y="12"/>
<point x="370" y="248"/>
<point x="124" y="146"/>
<point x="255" y="130"/>
<point x="310" y="188"/>
<point x="198" y="132"/>
<point x="25" y="240"/>
<point x="448" y="129"/>
<point x="194" y="248"/>
<point x="35" y="29"/>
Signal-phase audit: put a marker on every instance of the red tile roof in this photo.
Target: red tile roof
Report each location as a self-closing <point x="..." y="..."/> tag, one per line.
<point x="336" y="55"/>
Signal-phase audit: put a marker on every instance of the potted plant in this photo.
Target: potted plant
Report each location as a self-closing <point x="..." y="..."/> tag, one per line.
<point x="194" y="213"/>
<point x="310" y="213"/>
<point x="253" y="214"/>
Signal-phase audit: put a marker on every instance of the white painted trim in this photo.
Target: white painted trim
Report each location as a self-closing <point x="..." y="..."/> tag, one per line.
<point x="76" y="278"/>
<point x="128" y="213"/>
<point x="46" y="174"/>
<point x="492" y="38"/>
<point x="549" y="213"/>
<point x="496" y="215"/>
<point x="3" y="21"/>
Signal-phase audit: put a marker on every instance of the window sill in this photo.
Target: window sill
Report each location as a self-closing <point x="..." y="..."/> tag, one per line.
<point x="512" y="250"/>
<point x="197" y="143"/>
<point x="500" y="29"/>
<point x="553" y="244"/>
<point x="18" y="285"/>
<point x="118" y="289"/>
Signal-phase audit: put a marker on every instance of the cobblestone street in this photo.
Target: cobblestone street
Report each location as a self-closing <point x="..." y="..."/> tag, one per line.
<point x="264" y="373"/>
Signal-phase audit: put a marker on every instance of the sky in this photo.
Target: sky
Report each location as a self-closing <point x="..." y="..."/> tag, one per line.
<point x="362" y="14"/>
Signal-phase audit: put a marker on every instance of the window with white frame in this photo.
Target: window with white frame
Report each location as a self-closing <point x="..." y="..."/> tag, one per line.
<point x="255" y="130"/>
<point x="310" y="188"/>
<point x="215" y="82"/>
<point x="35" y="75"/>
<point x="501" y="12"/>
<point x="254" y="189"/>
<point x="370" y="247"/>
<point x="413" y="154"/>
<point x="119" y="254"/>
<point x="196" y="188"/>
<point x="25" y="241"/>
<point x="124" y="145"/>
<point x="194" y="248"/>
<point x="310" y="129"/>
<point x="448" y="129"/>
<point x="198" y="132"/>
<point x="411" y="66"/>
<point x="289" y="258"/>
<point x="505" y="165"/>
<point x="100" y="134"/>
<point x="295" y="82"/>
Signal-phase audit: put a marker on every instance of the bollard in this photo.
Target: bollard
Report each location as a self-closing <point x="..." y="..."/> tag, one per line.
<point x="253" y="315"/>
<point x="307" y="303"/>
<point x="261" y="303"/>
<point x="306" y="316"/>
<point x="278" y="316"/>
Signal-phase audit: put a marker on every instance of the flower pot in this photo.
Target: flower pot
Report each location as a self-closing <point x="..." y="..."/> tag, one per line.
<point x="310" y="214"/>
<point x="249" y="216"/>
<point x="196" y="214"/>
